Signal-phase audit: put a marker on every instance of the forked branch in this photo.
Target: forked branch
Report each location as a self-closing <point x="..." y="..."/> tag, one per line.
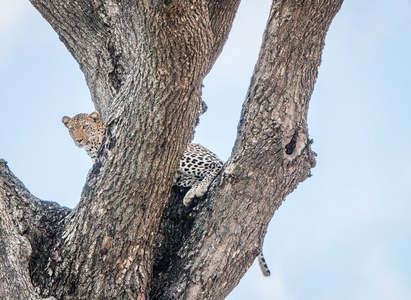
<point x="144" y="62"/>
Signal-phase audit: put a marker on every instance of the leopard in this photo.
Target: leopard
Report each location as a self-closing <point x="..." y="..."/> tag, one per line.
<point x="86" y="130"/>
<point x="198" y="166"/>
<point x="197" y="169"/>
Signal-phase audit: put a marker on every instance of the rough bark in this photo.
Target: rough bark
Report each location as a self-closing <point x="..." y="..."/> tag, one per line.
<point x="144" y="62"/>
<point x="27" y="228"/>
<point x="271" y="156"/>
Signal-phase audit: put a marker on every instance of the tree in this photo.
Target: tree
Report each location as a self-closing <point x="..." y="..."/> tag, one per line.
<point x="130" y="236"/>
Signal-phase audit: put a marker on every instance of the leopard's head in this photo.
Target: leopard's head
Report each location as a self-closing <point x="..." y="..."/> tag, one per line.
<point x="86" y="130"/>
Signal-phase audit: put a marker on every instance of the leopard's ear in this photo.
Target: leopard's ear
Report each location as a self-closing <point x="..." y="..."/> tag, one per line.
<point x="95" y="116"/>
<point x="66" y="120"/>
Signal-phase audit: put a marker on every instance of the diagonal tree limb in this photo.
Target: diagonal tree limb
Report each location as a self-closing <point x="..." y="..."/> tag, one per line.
<point x="271" y="156"/>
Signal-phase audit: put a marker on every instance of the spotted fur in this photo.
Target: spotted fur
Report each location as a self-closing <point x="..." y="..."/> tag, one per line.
<point x="263" y="265"/>
<point x="198" y="168"/>
<point x="86" y="130"/>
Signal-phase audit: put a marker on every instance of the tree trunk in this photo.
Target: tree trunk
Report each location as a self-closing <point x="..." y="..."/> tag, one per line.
<point x="130" y="237"/>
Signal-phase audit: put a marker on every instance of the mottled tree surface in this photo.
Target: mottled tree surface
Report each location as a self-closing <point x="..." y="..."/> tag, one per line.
<point x="130" y="237"/>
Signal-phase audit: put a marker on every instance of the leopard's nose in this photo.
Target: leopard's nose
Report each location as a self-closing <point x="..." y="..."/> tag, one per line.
<point x="79" y="141"/>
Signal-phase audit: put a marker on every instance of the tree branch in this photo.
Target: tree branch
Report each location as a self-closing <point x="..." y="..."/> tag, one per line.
<point x="115" y="220"/>
<point x="149" y="123"/>
<point x="271" y="156"/>
<point x="27" y="228"/>
<point x="144" y="62"/>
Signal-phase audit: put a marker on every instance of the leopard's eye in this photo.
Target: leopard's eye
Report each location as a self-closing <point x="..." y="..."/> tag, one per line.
<point x="85" y="126"/>
<point x="72" y="129"/>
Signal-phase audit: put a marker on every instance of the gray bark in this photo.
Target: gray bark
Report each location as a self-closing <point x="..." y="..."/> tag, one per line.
<point x="130" y="236"/>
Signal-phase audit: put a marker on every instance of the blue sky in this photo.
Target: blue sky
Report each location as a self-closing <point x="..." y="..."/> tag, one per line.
<point x="345" y="233"/>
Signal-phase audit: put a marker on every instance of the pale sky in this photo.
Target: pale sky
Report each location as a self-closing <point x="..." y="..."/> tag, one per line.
<point x="345" y="233"/>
